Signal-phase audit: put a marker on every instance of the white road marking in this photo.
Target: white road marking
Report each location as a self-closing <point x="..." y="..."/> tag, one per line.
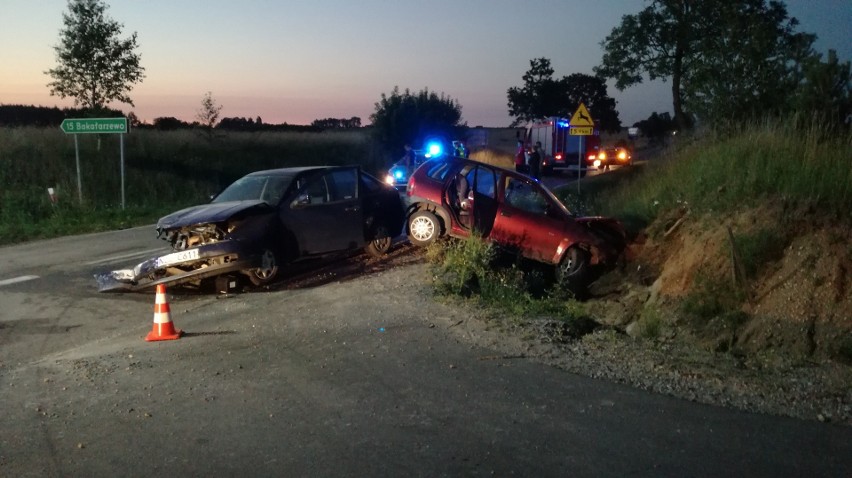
<point x="124" y="256"/>
<point x="17" y="279"/>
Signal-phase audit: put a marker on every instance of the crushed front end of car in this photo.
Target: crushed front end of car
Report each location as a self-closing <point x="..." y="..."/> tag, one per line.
<point x="201" y="250"/>
<point x="607" y="239"/>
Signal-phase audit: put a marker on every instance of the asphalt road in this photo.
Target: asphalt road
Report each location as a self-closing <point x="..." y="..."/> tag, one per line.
<point x="356" y="374"/>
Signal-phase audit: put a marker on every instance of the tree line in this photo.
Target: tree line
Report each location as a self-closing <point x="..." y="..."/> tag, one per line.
<point x="43" y="116"/>
<point x="23" y="115"/>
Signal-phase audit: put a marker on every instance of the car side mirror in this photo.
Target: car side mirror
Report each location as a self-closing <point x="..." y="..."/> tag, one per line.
<point x="301" y="200"/>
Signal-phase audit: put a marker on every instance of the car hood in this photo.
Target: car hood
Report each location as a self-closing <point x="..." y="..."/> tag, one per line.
<point x="607" y="230"/>
<point x="209" y="213"/>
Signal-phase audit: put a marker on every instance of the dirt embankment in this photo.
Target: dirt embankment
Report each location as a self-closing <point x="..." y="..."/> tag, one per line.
<point x="765" y="325"/>
<point x="784" y="289"/>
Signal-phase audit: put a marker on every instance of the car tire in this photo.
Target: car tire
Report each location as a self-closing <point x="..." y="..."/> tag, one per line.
<point x="268" y="271"/>
<point x="424" y="227"/>
<point x="381" y="243"/>
<point x="573" y="271"/>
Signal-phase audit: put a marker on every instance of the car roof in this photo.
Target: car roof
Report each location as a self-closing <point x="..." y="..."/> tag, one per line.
<point x="493" y="166"/>
<point x="287" y="171"/>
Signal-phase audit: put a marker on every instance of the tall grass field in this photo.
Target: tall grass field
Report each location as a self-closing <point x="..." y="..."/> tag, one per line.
<point x="164" y="170"/>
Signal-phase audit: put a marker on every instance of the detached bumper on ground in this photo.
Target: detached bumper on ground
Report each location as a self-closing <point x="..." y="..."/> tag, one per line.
<point x="181" y="267"/>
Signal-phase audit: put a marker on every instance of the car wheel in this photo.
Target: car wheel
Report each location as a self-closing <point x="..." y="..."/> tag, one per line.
<point x="268" y="270"/>
<point x="423" y="228"/>
<point x="573" y="271"/>
<point x="381" y="244"/>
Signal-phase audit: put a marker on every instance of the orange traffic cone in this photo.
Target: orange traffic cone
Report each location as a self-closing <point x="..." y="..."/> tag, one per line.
<point x="163" y="329"/>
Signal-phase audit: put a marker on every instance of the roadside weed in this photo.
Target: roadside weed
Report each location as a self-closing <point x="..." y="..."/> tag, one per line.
<point x="650" y="323"/>
<point x="462" y="265"/>
<point x="474" y="268"/>
<point x="710" y="297"/>
<point x="758" y="248"/>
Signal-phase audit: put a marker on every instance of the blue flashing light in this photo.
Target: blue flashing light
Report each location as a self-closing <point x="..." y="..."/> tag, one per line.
<point x="434" y="149"/>
<point x="562" y="124"/>
<point x="398" y="173"/>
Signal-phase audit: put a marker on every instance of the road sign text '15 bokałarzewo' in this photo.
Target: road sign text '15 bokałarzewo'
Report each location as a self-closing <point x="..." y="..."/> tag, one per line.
<point x="94" y="125"/>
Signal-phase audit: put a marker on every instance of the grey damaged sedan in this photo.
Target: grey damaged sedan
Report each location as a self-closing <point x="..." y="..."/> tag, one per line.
<point x="267" y="219"/>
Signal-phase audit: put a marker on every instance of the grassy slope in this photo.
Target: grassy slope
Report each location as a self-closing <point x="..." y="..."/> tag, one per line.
<point x="719" y="173"/>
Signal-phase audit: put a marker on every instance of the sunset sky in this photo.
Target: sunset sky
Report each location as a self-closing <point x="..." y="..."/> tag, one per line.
<point x="296" y="61"/>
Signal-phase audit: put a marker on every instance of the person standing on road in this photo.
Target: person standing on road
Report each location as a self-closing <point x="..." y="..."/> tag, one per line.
<point x="459" y="149"/>
<point x="521" y="158"/>
<point x="408" y="158"/>
<point x="535" y="161"/>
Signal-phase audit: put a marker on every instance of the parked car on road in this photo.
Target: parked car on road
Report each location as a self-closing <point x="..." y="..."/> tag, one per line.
<point x="267" y="219"/>
<point x="613" y="155"/>
<point x="455" y="197"/>
<point x="398" y="173"/>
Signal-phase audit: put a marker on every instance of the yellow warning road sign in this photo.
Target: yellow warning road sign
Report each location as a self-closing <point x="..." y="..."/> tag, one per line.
<point x="582" y="117"/>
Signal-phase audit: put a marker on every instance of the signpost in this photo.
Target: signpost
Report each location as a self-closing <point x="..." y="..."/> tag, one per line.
<point x="77" y="126"/>
<point x="581" y="124"/>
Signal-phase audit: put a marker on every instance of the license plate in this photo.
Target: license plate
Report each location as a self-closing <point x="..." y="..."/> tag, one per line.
<point x="176" y="257"/>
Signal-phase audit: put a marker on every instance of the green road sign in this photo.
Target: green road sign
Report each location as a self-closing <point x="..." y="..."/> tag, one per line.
<point x="94" y="125"/>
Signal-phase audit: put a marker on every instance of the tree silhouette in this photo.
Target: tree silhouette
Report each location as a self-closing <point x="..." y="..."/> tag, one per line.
<point x="724" y="57"/>
<point x="543" y="96"/>
<point x="410" y="118"/>
<point x="95" y="66"/>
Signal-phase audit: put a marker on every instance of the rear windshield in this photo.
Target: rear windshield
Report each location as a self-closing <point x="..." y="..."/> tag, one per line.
<point x="438" y="170"/>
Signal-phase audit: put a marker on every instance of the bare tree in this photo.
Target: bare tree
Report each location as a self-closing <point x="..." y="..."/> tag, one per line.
<point x="208" y="115"/>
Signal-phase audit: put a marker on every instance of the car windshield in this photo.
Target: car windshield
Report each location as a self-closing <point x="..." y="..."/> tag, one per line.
<point x="268" y="188"/>
<point x="555" y="199"/>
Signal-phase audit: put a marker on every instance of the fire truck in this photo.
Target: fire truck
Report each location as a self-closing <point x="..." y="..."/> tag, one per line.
<point x="560" y="151"/>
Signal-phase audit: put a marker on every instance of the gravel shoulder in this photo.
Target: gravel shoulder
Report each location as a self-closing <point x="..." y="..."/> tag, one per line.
<point x="806" y="390"/>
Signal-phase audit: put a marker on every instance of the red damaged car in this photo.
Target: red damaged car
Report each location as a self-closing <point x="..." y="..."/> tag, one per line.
<point x="456" y="196"/>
